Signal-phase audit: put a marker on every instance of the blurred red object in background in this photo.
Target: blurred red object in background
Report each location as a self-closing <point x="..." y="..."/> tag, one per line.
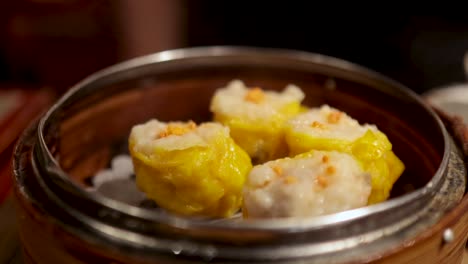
<point x="18" y="107"/>
<point x="59" y="42"/>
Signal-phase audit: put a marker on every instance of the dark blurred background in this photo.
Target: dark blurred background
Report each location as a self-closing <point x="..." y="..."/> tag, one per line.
<point x="55" y="43"/>
<point x="48" y="45"/>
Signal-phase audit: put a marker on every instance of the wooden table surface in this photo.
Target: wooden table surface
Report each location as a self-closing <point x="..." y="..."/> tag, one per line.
<point x="9" y="242"/>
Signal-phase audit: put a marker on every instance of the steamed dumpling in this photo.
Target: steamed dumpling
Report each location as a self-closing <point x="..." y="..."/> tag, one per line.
<point x="327" y="128"/>
<point x="189" y="169"/>
<point x="311" y="184"/>
<point x="257" y="117"/>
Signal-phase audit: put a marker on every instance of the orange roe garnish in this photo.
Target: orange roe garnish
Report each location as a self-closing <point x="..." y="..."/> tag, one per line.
<point x="317" y="124"/>
<point x="325" y="159"/>
<point x="331" y="169"/>
<point x="334" y="117"/>
<point x="265" y="183"/>
<point x="255" y="95"/>
<point x="191" y="125"/>
<point x="290" y="180"/>
<point x="322" y="181"/>
<point x="177" y="129"/>
<point x="278" y="170"/>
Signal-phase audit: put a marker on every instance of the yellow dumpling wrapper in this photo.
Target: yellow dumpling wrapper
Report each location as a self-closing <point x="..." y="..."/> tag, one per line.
<point x="189" y="169"/>
<point x="256" y="117"/>
<point x="327" y="128"/>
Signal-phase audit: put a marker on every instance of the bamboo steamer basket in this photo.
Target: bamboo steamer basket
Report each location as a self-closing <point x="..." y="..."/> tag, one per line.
<point x="425" y="221"/>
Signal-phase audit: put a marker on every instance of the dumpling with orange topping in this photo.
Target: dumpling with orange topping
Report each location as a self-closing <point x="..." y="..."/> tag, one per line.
<point x="256" y="117"/>
<point x="311" y="184"/>
<point x="327" y="128"/>
<point x="189" y="169"/>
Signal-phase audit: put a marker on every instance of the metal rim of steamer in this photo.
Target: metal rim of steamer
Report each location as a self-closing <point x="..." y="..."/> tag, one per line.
<point x="319" y="238"/>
